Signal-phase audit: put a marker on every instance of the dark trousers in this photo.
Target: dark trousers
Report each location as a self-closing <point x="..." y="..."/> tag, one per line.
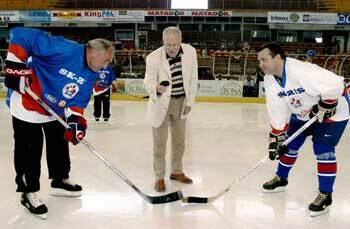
<point x="248" y="91"/>
<point x="102" y="100"/>
<point x="29" y="139"/>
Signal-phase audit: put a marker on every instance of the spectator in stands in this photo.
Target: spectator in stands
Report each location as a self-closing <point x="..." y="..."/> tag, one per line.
<point x="335" y="46"/>
<point x="118" y="45"/>
<point x="252" y="49"/>
<point x="140" y="58"/>
<point x="236" y="55"/>
<point x="245" y="46"/>
<point x="174" y="62"/>
<point x="125" y="60"/>
<point x="248" y="87"/>
<point x="201" y="74"/>
<point x="209" y="75"/>
<point x="310" y="54"/>
<point x="223" y="45"/>
<point x="205" y="74"/>
<point x="249" y="82"/>
<point x="204" y="52"/>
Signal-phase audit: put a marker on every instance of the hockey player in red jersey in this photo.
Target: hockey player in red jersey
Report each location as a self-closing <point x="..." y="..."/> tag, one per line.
<point x="62" y="74"/>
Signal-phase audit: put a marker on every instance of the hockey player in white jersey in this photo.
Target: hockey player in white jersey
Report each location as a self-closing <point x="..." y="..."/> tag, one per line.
<point x="295" y="92"/>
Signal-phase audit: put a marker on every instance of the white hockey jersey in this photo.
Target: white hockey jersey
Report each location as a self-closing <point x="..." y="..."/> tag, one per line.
<point x="303" y="84"/>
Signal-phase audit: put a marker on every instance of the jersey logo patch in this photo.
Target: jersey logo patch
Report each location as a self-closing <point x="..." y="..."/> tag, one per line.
<point x="102" y="75"/>
<point x="295" y="102"/>
<point x="51" y="98"/>
<point x="70" y="90"/>
<point x="62" y="103"/>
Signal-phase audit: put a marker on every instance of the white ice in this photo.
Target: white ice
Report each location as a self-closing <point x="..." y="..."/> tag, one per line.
<point x="223" y="142"/>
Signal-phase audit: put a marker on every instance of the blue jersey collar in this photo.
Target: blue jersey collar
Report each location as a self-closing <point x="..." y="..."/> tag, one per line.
<point x="282" y="82"/>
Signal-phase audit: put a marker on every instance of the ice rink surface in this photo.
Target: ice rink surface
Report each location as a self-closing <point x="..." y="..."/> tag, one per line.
<point x="223" y="142"/>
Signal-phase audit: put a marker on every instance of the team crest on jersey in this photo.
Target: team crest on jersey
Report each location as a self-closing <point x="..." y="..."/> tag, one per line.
<point x="102" y="75"/>
<point x="70" y="90"/>
<point x="295" y="102"/>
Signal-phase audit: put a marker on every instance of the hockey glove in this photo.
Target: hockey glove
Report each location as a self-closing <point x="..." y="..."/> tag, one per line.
<point x="275" y="146"/>
<point x="17" y="76"/>
<point x="77" y="129"/>
<point x="324" y="109"/>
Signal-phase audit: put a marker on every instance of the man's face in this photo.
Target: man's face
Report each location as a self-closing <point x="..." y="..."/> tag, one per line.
<point x="266" y="62"/>
<point x="99" y="59"/>
<point x="172" y="44"/>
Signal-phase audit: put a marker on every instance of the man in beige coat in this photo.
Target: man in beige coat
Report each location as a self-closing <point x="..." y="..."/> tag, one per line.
<point x="171" y="82"/>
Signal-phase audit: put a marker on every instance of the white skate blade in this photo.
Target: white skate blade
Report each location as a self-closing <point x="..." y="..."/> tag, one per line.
<point x="314" y="213"/>
<point x="40" y="216"/>
<point x="278" y="189"/>
<point x="64" y="193"/>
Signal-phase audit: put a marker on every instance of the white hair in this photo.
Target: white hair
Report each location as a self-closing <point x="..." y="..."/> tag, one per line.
<point x="172" y="30"/>
<point x="100" y="44"/>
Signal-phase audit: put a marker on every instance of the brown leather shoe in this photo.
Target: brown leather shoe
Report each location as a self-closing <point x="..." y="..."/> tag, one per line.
<point x="159" y="186"/>
<point x="181" y="177"/>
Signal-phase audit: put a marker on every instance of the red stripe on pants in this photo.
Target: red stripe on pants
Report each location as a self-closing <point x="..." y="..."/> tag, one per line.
<point x="327" y="167"/>
<point x="287" y="160"/>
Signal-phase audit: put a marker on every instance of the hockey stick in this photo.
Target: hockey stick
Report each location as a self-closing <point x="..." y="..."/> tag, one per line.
<point x="171" y="197"/>
<point x="196" y="199"/>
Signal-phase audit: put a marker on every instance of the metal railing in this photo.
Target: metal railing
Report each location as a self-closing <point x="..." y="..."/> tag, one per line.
<point x="221" y="64"/>
<point x="230" y="65"/>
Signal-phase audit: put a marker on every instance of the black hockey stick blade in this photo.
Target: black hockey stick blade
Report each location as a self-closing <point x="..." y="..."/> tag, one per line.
<point x="195" y="199"/>
<point x="170" y="197"/>
<point x="204" y="200"/>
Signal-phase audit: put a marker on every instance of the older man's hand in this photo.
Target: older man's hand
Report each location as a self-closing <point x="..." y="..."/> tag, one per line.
<point x="160" y="89"/>
<point x="187" y="110"/>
